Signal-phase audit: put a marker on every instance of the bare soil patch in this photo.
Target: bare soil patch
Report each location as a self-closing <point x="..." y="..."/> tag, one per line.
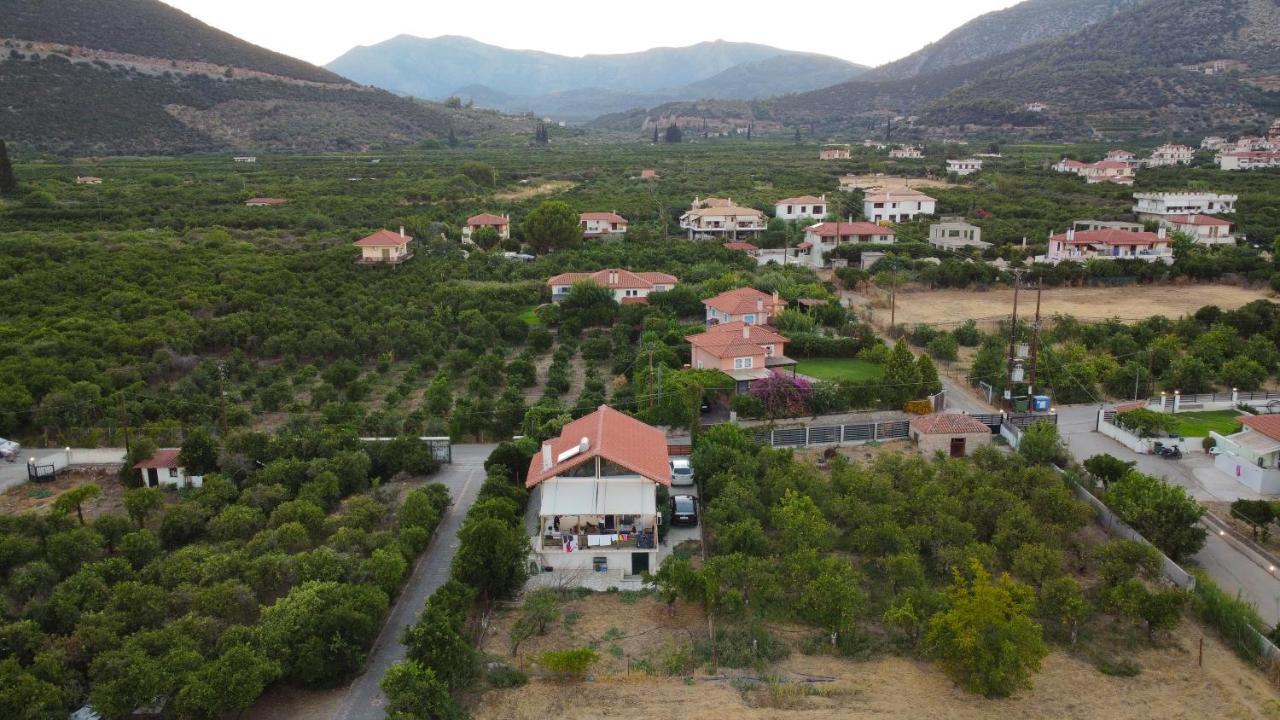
<point x="534" y="189"/>
<point x="952" y="307"/>
<point x="39" y="497"/>
<point x="1169" y="686"/>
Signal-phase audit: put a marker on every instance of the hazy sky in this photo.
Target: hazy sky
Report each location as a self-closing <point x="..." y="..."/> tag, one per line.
<point x="864" y="31"/>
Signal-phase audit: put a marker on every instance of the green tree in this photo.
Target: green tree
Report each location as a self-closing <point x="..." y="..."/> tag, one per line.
<point x="987" y="640"/>
<point x="24" y="696"/>
<point x="1165" y="514"/>
<point x="800" y="524"/>
<point x="491" y="556"/>
<point x="415" y="692"/>
<point x="486" y="238"/>
<point x="1041" y="444"/>
<point x="553" y="225"/>
<point x="439" y="396"/>
<point x="319" y="632"/>
<point x="573" y="663"/>
<point x="901" y="379"/>
<point x="1108" y="468"/>
<point x="541" y="608"/>
<point x="8" y="181"/>
<point x="227" y="685"/>
<point x="674" y="135"/>
<point x="1242" y="373"/>
<point x="75" y="499"/>
<point x="436" y="643"/>
<point x="142" y="502"/>
<point x="199" y="453"/>
<point x="927" y="377"/>
<point x="1063" y="604"/>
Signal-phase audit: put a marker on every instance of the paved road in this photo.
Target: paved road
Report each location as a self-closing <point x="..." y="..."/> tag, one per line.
<point x="364" y="699"/>
<point x="960" y="397"/>
<point x="1234" y="571"/>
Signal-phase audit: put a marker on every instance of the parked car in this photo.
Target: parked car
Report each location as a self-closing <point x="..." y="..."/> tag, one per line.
<point x="684" y="510"/>
<point x="681" y="472"/>
<point x="705" y="407"/>
<point x="9" y="450"/>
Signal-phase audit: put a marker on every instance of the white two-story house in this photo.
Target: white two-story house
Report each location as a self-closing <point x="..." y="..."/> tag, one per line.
<point x="897" y="205"/>
<point x="801" y="208"/>
<point x="596" y="491"/>
<point x="627" y="287"/>
<point x="1159" y="205"/>
<point x="602" y="224"/>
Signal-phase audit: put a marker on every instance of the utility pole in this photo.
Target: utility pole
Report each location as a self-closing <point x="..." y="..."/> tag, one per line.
<point x="1013" y="342"/>
<point x="1035" y="343"/>
<point x="222" y="398"/>
<point x="124" y="423"/>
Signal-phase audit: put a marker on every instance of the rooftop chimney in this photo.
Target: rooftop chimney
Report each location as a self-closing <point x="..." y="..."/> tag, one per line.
<point x="401" y="231"/>
<point x="759" y="305"/>
<point x="777" y="300"/>
<point x="546" y="456"/>
<point x="1160" y="234"/>
<point x="746" y="331"/>
<point x="584" y="444"/>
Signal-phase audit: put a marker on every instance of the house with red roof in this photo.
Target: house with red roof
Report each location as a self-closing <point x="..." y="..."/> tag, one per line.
<point x="952" y="434"/>
<point x="745" y="304"/>
<point x="1205" y="229"/>
<point x="601" y="224"/>
<point x="747" y="353"/>
<point x="1252" y="456"/>
<point x="1110" y="243"/>
<point x="500" y="223"/>
<point x="384" y="248"/>
<point x="626" y="286"/>
<point x="164" y="469"/>
<point x="1171" y="154"/>
<point x="719" y="218"/>
<point x="648" y="174"/>
<point x="1115" y="169"/>
<point x="801" y="208"/>
<point x="834" y="152"/>
<point x="745" y="247"/>
<point x="596" y="490"/>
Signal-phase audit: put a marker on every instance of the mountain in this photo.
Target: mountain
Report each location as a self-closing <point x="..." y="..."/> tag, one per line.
<point x="583" y="87"/>
<point x="138" y="76"/>
<point x="1000" y="32"/>
<point x="1160" y="67"/>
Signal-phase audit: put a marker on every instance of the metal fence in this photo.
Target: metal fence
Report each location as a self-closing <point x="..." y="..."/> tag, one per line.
<point x="833" y="434"/>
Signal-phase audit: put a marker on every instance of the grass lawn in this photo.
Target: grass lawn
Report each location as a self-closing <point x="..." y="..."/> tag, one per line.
<point x="529" y="317"/>
<point x="1198" y="424"/>
<point x="839" y="369"/>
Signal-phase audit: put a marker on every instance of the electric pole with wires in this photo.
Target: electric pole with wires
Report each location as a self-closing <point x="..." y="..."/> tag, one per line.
<point x="1013" y="365"/>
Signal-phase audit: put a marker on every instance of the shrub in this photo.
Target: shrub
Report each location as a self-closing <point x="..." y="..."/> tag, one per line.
<point x="569" y="664"/>
<point x="505" y="676"/>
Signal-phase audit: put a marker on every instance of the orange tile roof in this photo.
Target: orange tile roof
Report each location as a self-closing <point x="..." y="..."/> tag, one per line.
<point x="1111" y="236"/>
<point x="613" y="436"/>
<point x="163" y="458"/>
<point x="738" y="245"/>
<point x="728" y="340"/>
<point x="742" y="300"/>
<point x="604" y="216"/>
<point x="832" y="229"/>
<point x="1198" y="220"/>
<point x="1268" y="425"/>
<point x="802" y="200"/>
<point x="948" y="424"/>
<point x="384" y="238"/>
<point x="486" y="219"/>
<point x="625" y="279"/>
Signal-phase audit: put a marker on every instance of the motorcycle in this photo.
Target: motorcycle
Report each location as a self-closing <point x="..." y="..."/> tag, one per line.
<point x="1171" y="452"/>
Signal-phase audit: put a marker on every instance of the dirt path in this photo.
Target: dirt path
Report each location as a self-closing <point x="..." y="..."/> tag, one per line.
<point x="953" y="307"/>
<point x="534" y="189"/>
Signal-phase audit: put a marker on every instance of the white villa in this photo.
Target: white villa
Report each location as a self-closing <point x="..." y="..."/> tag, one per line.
<point x="822" y="238"/>
<point x="1206" y="229"/>
<point x="954" y="233"/>
<point x="501" y="224"/>
<point x="596" y="491"/>
<point x="1108" y="244"/>
<point x="801" y="208"/>
<point x="834" y="152"/>
<point x="898" y="205"/>
<point x="1155" y="206"/>
<point x="720" y="219"/>
<point x="1171" y="155"/>
<point x="964" y="167"/>
<point x="384" y="248"/>
<point x="1252" y="456"/>
<point x="602" y="224"/>
<point x="907" y="152"/>
<point x="627" y="287"/>
<point x="1248" y="160"/>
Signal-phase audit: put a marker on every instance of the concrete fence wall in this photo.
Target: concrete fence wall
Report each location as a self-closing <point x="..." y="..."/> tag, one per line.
<point x="1122" y="436"/>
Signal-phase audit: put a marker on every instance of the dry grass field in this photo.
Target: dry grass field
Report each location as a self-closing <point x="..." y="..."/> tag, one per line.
<point x="952" y="307"/>
<point x="1169" y="686"/>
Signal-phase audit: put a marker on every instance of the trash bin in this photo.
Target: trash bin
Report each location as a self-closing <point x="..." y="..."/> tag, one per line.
<point x="1040" y="403"/>
<point x="1020" y="404"/>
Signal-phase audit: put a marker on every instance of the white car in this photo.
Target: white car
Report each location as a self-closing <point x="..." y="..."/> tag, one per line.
<point x="9" y="450"/>
<point x="681" y="472"/>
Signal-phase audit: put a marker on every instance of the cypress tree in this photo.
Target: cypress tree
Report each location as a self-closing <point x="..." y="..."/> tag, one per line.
<point x="655" y="133"/>
<point x="8" y="181"/>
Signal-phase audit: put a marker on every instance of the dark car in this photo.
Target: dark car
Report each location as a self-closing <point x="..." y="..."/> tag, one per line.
<point x="684" y="510"/>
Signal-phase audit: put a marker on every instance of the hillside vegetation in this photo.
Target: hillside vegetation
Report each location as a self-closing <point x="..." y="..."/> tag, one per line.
<point x="144" y="27"/>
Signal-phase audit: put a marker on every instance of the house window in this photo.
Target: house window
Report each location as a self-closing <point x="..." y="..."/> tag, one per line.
<point x="790" y="209"/>
<point x="749" y="319"/>
<point x="173" y="472"/>
<point x="817" y="209"/>
<point x="742" y="363"/>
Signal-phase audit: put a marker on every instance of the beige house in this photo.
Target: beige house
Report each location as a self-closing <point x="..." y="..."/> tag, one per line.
<point x="384" y="248"/>
<point x="951" y="434"/>
<point x="953" y="233"/>
<point x="834" y="152"/>
<point x="500" y="223"/>
<point x="720" y="219"/>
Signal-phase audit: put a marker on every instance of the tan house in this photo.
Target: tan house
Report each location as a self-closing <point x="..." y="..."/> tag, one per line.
<point x="906" y="152"/>
<point x="1205" y="229"/>
<point x="834" y="152"/>
<point x="952" y="434"/>
<point x="744" y="304"/>
<point x="627" y="287"/>
<point x="596" y="491"/>
<point x="744" y="352"/>
<point x="1108" y="244"/>
<point x="602" y="224"/>
<point x="264" y="202"/>
<point x="719" y="218"/>
<point x="954" y="233"/>
<point x="384" y="248"/>
<point x="500" y="223"/>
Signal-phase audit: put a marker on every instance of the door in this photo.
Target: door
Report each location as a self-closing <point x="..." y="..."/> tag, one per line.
<point x="639" y="562"/>
<point x="153" y="477"/>
<point x="386" y="254"/>
<point x="957" y="447"/>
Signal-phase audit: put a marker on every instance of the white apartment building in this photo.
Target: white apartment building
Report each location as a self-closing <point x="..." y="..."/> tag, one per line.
<point x="1171" y="155"/>
<point x="897" y="205"/>
<point x="965" y="167"/>
<point x="801" y="208"/>
<point x="1154" y="206"/>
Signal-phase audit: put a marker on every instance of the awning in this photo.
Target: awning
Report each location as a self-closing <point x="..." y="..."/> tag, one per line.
<point x="778" y="361"/>
<point x="1255" y="441"/>
<point x="588" y="496"/>
<point x="748" y="375"/>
